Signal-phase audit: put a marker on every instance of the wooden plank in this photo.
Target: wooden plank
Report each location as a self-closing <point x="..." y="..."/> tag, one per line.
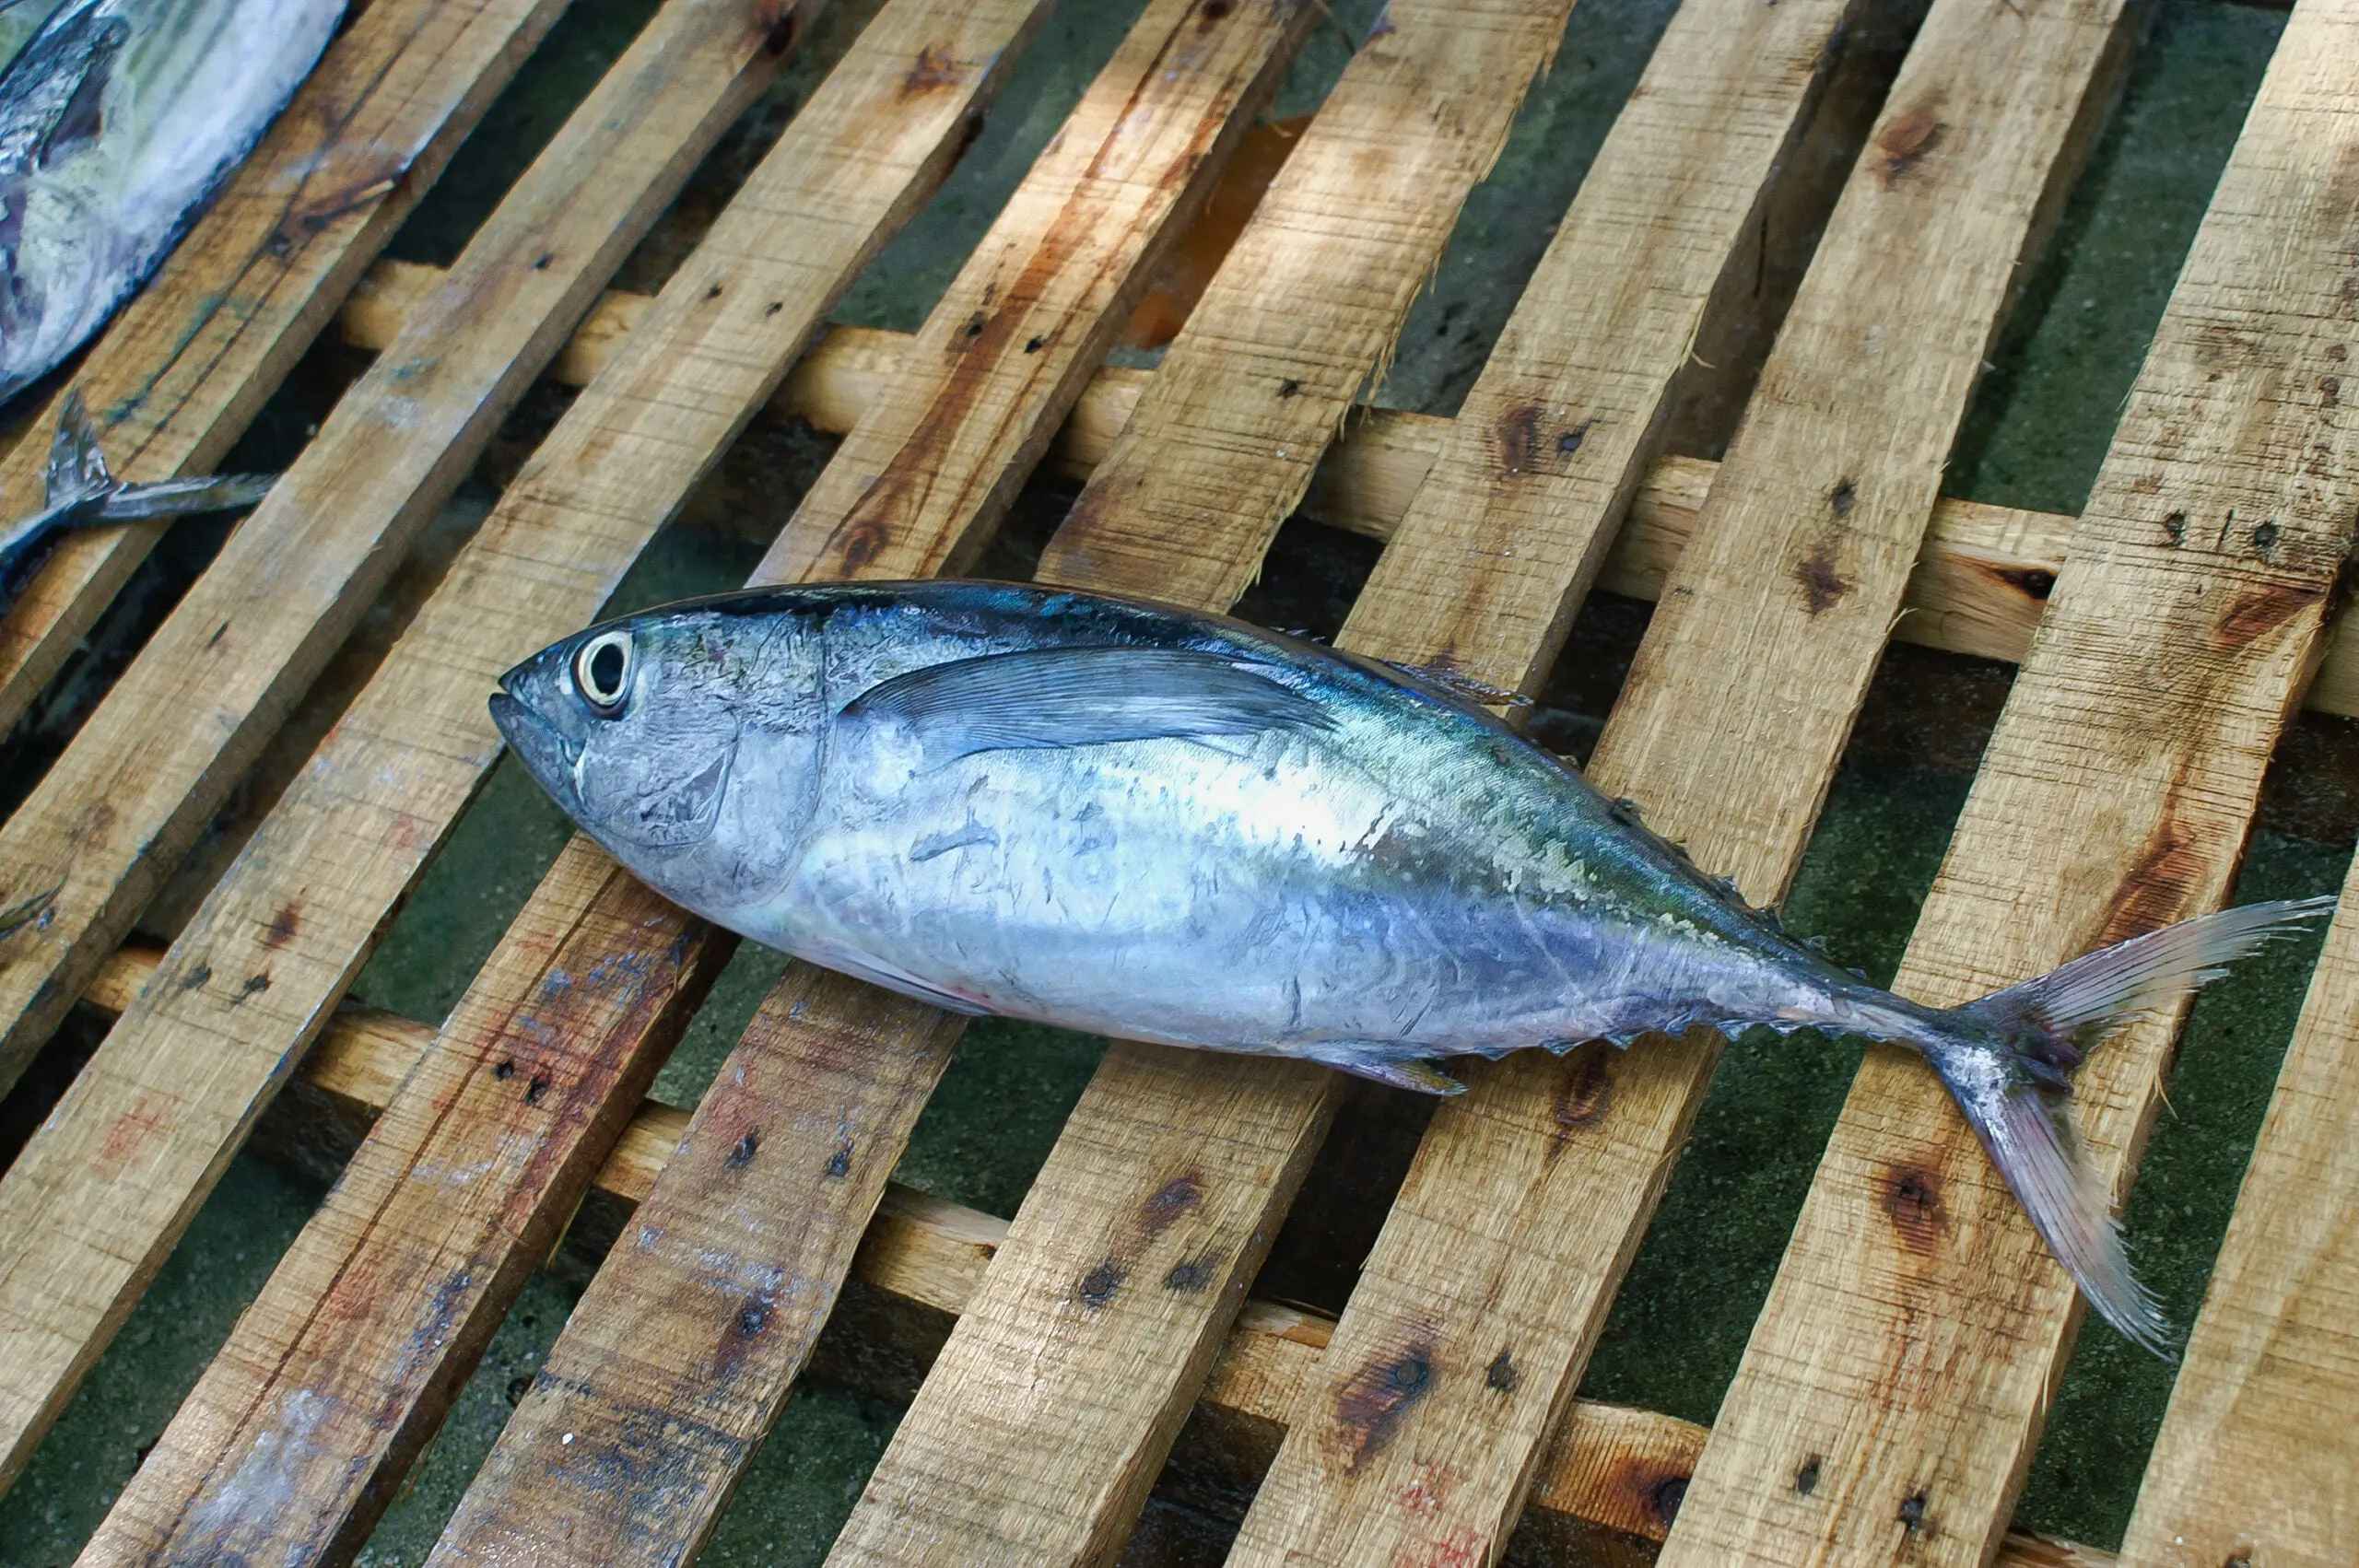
<point x="1981" y="579"/>
<point x="110" y="820"/>
<point x="303" y="1425"/>
<point x="327" y="1387"/>
<point x="146" y="1129"/>
<point x="2257" y="1453"/>
<point x="1036" y="1436"/>
<point x="689" y="1337"/>
<point x="1497" y="1264"/>
<point x="1607" y="1466"/>
<point x="179" y="374"/>
<point x="1307" y="303"/>
<point x="1907" y="1367"/>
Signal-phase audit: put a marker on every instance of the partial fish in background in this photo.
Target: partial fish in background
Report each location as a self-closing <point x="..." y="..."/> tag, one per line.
<point x="81" y="492"/>
<point x="118" y="119"/>
<point x="1135" y="821"/>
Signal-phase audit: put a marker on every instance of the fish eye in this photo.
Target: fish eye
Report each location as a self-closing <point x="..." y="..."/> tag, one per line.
<point x="601" y="673"/>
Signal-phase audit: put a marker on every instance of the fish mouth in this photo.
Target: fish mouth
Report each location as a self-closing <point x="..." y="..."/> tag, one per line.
<point x="540" y="745"/>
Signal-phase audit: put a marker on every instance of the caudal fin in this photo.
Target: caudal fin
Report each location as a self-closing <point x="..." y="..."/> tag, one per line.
<point x="2043" y="1028"/>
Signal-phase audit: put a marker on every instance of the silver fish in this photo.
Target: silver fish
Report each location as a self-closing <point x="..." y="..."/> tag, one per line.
<point x="1135" y="821"/>
<point x="118" y="119"/>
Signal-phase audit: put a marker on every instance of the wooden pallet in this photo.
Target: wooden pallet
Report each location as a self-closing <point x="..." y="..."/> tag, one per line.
<point x="1897" y="1381"/>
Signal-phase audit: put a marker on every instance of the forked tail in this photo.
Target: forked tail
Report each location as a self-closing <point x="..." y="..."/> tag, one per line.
<point x="2017" y="1100"/>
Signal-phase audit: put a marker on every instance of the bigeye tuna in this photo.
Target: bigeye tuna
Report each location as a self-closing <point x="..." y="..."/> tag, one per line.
<point x="1135" y="821"/>
<point x="118" y="119"/>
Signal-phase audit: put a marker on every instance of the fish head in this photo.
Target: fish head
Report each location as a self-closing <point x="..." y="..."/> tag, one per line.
<point x="685" y="741"/>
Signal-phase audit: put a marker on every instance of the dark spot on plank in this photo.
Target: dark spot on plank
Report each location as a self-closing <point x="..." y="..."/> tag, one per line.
<point x="218" y="632"/>
<point x="1099" y="1286"/>
<point x="2238" y="1559"/>
<point x="741" y="1153"/>
<point x="753" y="1317"/>
<point x="714" y="293"/>
<point x="255" y="985"/>
<point x="1912" y="1198"/>
<point x="1191" y="1275"/>
<point x="2174" y="526"/>
<point x="773" y="307"/>
<point x="283" y="924"/>
<point x="2261" y="609"/>
<point x="1582" y="1093"/>
<point x="505" y="1071"/>
<point x="1665" y="1496"/>
<point x="1212" y="13"/>
<point x="543" y="264"/>
<point x="2156" y="891"/>
<point x="1519" y="433"/>
<point x="838" y="1164"/>
<point x="2265" y="537"/>
<point x="1840" y="500"/>
<point x="1169" y="1201"/>
<point x="2032" y="582"/>
<point x="1822" y="586"/>
<point x="2329" y="391"/>
<point x="975" y="326"/>
<point x="279" y="243"/>
<point x="1289" y="387"/>
<point x="864" y="544"/>
<point x="935" y="70"/>
<point x="1370" y="1406"/>
<point x="536" y="1088"/>
<point x="1570" y="441"/>
<point x="1912" y="1513"/>
<point x="196" y="978"/>
<point x="1806" y="1478"/>
<point x="1904" y="138"/>
<point x="1034" y="345"/>
<point x="1501" y="1376"/>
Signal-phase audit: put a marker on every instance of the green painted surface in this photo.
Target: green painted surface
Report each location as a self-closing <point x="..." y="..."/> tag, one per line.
<point x="2035" y="439"/>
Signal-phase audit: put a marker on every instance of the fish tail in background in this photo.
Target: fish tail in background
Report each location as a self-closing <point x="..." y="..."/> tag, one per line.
<point x="2018" y="1100"/>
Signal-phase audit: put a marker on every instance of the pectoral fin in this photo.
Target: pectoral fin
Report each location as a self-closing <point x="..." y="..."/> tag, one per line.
<point x="1081" y="697"/>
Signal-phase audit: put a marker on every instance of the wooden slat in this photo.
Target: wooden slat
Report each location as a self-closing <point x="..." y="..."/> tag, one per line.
<point x="327" y="1386"/>
<point x="299" y="1431"/>
<point x="2258" y="1453"/>
<point x="1908" y="1366"/>
<point x="691" y="1334"/>
<point x="94" y="1201"/>
<point x="1607" y="1466"/>
<point x="1981" y="579"/>
<point x="1037" y="1432"/>
<point x="1496" y="1268"/>
<point x="179" y="374"/>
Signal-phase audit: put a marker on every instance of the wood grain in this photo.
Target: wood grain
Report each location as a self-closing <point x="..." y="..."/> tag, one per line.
<point x="2257" y="1453"/>
<point x="1497" y="1266"/>
<point x="1913" y="1365"/>
<point x="1982" y="576"/>
<point x="930" y="1252"/>
<point x="93" y="1203"/>
<point x="1037" y="1432"/>
<point x="386" y="1294"/>
<point x="183" y="367"/>
<point x="691" y="1335"/>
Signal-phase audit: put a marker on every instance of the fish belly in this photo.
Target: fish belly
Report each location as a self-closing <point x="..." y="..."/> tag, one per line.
<point x="1248" y="896"/>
